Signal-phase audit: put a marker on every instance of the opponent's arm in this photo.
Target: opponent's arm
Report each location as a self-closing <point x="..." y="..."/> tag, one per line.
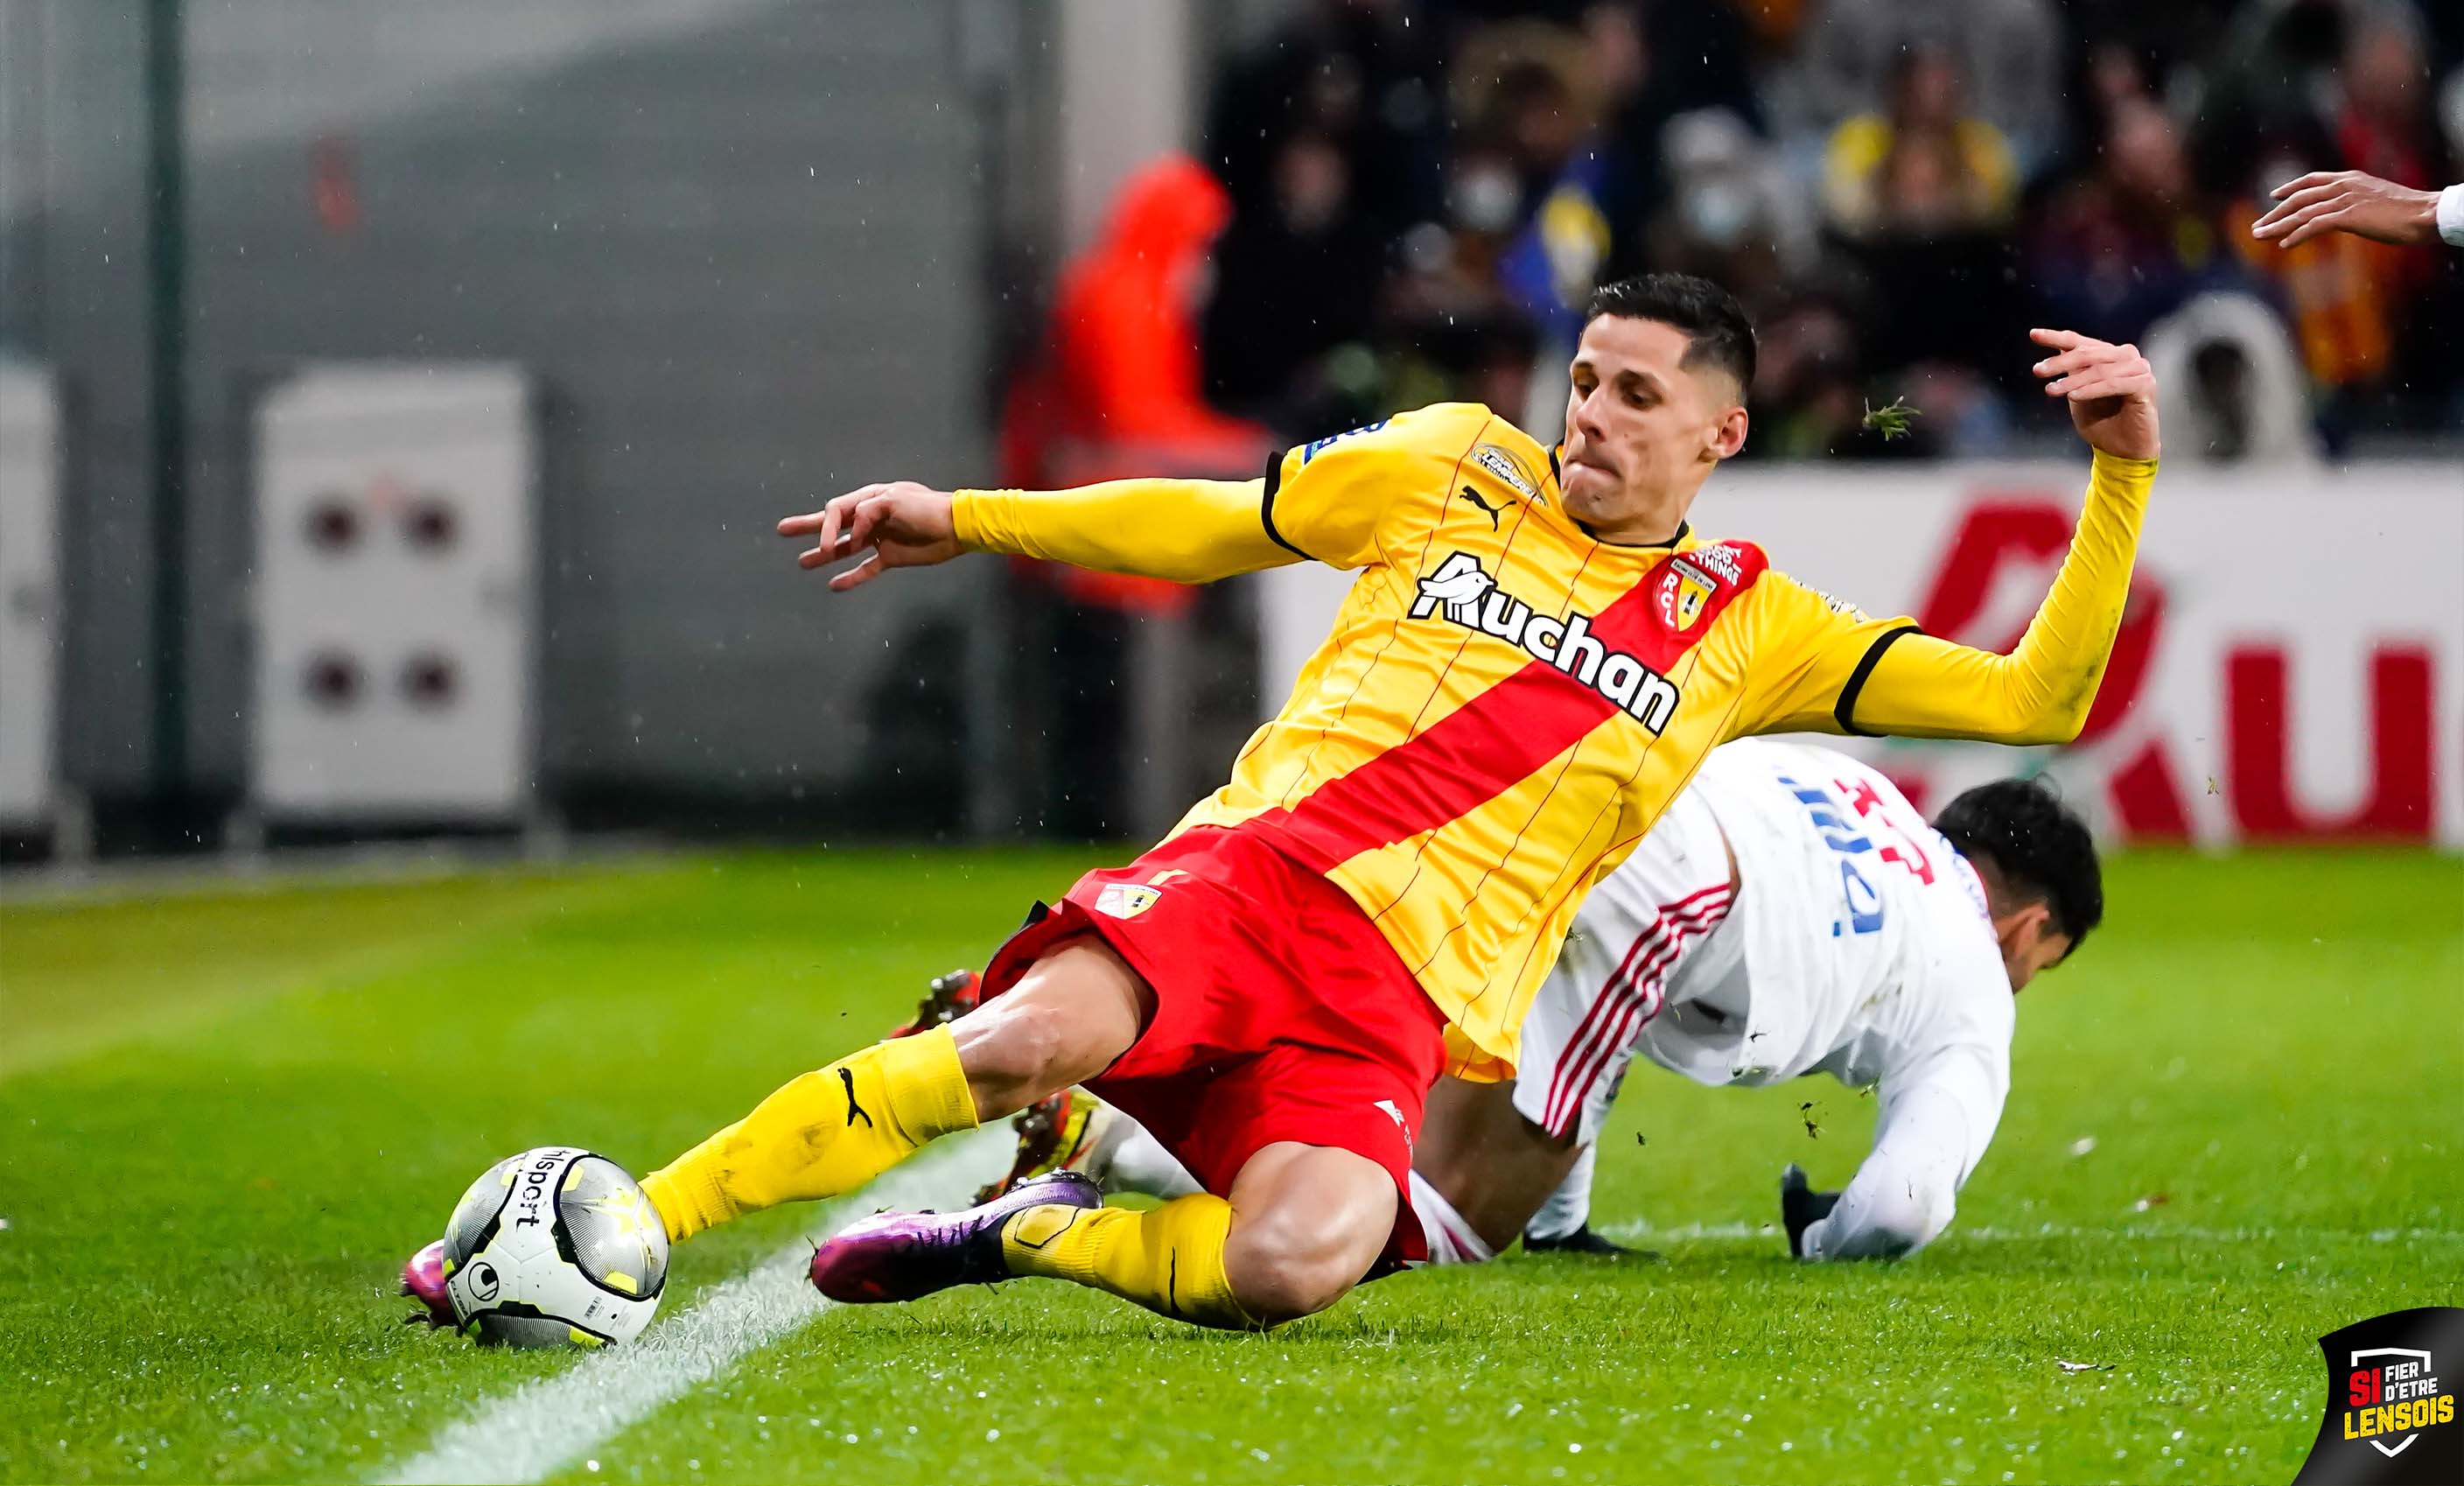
<point x="1933" y="1127"/>
<point x="2356" y="202"/>
<point x="1825" y="667"/>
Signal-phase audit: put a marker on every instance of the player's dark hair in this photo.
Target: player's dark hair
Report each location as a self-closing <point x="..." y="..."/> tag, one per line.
<point x="1717" y="330"/>
<point x="2038" y="845"/>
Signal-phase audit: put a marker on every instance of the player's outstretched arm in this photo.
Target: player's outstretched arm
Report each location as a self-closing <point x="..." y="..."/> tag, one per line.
<point x="2041" y="692"/>
<point x="1187" y="530"/>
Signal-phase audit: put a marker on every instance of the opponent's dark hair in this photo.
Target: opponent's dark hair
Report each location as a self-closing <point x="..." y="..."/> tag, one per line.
<point x="2038" y="845"/>
<point x="1718" y="332"/>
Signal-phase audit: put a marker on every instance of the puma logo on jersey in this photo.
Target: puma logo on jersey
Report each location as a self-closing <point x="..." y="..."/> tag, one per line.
<point x="1490" y="511"/>
<point x="1472" y="599"/>
<point x="856" y="1111"/>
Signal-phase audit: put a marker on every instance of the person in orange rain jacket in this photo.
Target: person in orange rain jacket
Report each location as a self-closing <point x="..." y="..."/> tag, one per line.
<point x="1125" y="334"/>
<point x="1120" y="389"/>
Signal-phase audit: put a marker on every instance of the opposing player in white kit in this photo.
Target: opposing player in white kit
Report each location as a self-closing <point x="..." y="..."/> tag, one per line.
<point x="1791" y="914"/>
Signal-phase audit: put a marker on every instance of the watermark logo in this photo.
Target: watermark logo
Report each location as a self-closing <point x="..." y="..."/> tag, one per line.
<point x="2391" y="1414"/>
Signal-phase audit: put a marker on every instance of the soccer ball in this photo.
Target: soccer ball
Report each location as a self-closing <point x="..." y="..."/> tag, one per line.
<point x="555" y="1247"/>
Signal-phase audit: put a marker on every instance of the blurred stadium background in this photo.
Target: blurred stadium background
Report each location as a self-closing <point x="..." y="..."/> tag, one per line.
<point x="395" y="403"/>
<point x="397" y="398"/>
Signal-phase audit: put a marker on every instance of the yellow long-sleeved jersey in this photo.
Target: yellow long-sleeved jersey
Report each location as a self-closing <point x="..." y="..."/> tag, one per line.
<point x="1505" y="705"/>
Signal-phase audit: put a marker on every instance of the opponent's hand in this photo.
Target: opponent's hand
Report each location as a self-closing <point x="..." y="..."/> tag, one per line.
<point x="902" y="524"/>
<point x="2348" y="201"/>
<point x="1800" y="1206"/>
<point x="2111" y="391"/>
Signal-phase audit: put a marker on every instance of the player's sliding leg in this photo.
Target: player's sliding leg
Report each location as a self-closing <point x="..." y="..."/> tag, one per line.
<point x="1285" y="1062"/>
<point x="1301" y="1226"/>
<point x="1170" y="1259"/>
<point x="821" y="1134"/>
<point x="830" y="1132"/>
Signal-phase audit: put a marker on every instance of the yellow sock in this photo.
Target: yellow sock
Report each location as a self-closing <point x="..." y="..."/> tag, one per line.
<point x="1169" y="1260"/>
<point x="823" y="1134"/>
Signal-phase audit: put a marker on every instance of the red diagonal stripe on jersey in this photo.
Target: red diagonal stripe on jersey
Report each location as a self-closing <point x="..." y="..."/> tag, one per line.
<point x="1485" y="746"/>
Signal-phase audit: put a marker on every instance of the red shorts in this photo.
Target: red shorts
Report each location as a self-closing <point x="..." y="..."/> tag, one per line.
<point x="1280" y="1012"/>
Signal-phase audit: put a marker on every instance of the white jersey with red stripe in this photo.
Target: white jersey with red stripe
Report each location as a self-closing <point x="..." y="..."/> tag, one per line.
<point x="1847" y="938"/>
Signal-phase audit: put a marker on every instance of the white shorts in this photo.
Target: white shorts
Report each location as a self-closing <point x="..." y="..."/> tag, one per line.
<point x="1631" y="938"/>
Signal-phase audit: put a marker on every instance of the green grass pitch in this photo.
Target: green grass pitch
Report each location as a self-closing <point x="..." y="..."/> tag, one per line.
<point x="229" y="1115"/>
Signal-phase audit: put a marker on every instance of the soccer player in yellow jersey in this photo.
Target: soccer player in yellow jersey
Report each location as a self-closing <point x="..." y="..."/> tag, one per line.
<point x="1537" y="654"/>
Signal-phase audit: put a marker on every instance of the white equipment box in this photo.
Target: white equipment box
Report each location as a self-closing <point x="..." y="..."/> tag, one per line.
<point x="396" y="595"/>
<point x="29" y="618"/>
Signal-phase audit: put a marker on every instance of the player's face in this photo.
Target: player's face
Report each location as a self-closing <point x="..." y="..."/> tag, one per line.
<point x="1641" y="428"/>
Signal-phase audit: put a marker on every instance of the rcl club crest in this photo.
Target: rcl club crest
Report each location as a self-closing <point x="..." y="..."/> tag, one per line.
<point x="2391" y="1414"/>
<point x="1684" y="589"/>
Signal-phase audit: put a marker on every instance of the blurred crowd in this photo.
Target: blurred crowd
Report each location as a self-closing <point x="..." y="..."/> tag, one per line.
<point x="1409" y="200"/>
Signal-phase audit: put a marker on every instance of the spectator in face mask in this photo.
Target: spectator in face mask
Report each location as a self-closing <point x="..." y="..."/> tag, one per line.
<point x="1731" y="209"/>
<point x="1535" y="91"/>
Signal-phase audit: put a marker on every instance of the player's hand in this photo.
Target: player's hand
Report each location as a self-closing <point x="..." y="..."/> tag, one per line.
<point x="900" y="524"/>
<point x="1800" y="1206"/>
<point x="2111" y="391"/>
<point x="2348" y="201"/>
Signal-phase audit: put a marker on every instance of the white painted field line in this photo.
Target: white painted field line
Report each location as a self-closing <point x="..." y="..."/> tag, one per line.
<point x="1696" y="1232"/>
<point x="543" y="1426"/>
